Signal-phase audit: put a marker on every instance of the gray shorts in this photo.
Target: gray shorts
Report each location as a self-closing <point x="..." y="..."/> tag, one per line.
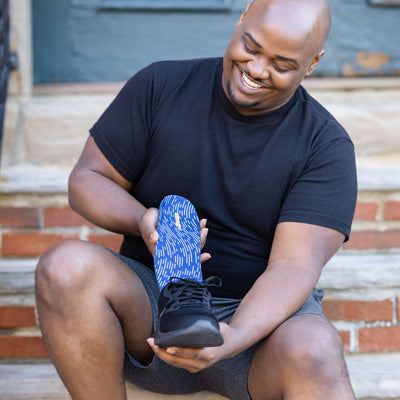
<point x="227" y="377"/>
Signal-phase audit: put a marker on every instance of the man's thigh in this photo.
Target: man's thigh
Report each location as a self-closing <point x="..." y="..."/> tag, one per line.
<point x="78" y="275"/>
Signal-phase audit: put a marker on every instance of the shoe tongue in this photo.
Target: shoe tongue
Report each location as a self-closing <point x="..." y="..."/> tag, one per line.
<point x="184" y="293"/>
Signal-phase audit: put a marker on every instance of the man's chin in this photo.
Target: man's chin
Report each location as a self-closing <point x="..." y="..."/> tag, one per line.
<point x="239" y="103"/>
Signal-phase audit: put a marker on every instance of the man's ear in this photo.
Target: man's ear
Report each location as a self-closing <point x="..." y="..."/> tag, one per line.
<point x="314" y="63"/>
<point x="243" y="15"/>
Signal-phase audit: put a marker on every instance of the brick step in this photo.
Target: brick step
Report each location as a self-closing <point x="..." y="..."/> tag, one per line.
<point x="372" y="376"/>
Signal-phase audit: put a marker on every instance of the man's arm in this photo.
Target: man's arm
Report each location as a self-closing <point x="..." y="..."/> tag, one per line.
<point x="298" y="255"/>
<point x="101" y="195"/>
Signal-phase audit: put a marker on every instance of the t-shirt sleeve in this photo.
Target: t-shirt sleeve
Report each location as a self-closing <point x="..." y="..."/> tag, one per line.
<point x="122" y="132"/>
<point x="326" y="192"/>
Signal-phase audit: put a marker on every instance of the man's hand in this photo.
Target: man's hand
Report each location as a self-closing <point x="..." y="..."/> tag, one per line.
<point x="148" y="230"/>
<point x="194" y="360"/>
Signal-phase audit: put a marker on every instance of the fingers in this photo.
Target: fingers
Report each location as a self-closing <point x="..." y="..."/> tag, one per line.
<point x="203" y="223"/>
<point x="192" y="360"/>
<point x="204" y="257"/>
<point x="148" y="228"/>
<point x="203" y="237"/>
<point x="203" y="232"/>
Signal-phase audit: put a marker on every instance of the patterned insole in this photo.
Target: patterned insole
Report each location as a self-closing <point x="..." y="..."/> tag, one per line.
<point x="177" y="251"/>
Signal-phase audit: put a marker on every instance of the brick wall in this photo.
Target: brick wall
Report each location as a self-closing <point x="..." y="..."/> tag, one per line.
<point x="30" y="224"/>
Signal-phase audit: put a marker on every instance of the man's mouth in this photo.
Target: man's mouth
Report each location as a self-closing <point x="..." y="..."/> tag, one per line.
<point x="250" y="83"/>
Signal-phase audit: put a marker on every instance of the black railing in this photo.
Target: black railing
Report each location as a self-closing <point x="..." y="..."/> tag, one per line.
<point x="4" y="60"/>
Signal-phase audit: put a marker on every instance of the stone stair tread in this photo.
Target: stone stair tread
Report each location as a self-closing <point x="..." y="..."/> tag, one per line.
<point x="374" y="376"/>
<point x="30" y="178"/>
<point x="360" y="271"/>
<point x="41" y="382"/>
<point x="344" y="273"/>
<point x="17" y="281"/>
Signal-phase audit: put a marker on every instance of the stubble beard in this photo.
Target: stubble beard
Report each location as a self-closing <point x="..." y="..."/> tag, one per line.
<point x="236" y="101"/>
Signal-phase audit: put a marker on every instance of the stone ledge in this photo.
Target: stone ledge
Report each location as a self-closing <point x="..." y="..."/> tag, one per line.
<point x="48" y="179"/>
<point x="373" y="376"/>
<point x="362" y="276"/>
<point x="17" y="281"/>
<point x="53" y="128"/>
<point x="312" y="83"/>
<point x="348" y="276"/>
<point x="41" y="381"/>
<point x="374" y="176"/>
<point x="27" y="178"/>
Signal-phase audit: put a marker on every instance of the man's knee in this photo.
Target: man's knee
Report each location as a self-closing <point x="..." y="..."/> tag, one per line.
<point x="64" y="267"/>
<point x="313" y="346"/>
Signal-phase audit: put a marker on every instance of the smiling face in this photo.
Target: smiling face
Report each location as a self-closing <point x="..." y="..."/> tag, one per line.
<point x="276" y="44"/>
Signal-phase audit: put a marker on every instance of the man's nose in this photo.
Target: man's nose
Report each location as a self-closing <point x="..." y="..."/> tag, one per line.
<point x="258" y="68"/>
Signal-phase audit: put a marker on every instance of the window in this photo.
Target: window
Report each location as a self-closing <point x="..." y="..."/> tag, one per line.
<point x="393" y="3"/>
<point x="200" y="5"/>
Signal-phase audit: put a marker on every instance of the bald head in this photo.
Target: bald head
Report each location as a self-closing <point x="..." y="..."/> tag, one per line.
<point x="305" y="20"/>
<point x="276" y="44"/>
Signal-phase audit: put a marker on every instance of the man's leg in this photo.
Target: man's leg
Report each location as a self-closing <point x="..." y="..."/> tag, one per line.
<point x="301" y="360"/>
<point x="91" y="306"/>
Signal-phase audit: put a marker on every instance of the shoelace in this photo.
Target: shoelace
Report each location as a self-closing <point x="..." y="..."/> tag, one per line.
<point x="188" y="292"/>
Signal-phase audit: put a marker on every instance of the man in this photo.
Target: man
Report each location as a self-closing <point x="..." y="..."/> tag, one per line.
<point x="271" y="174"/>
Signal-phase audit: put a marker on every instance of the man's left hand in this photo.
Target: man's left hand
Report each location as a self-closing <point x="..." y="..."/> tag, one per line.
<point x="194" y="360"/>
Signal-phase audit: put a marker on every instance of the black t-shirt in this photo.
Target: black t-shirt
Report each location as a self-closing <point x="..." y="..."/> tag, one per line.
<point x="172" y="130"/>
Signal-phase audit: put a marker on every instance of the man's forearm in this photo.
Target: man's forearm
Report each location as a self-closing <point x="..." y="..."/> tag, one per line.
<point x="278" y="293"/>
<point x="104" y="203"/>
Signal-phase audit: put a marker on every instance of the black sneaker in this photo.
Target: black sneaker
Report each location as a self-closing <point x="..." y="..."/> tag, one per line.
<point x="185" y="318"/>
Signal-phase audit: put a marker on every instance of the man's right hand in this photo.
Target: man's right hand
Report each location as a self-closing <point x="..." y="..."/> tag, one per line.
<point x="148" y="230"/>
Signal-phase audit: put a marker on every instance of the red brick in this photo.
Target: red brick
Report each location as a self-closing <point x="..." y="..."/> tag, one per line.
<point x="392" y="210"/>
<point x="112" y="241"/>
<point x="22" y="347"/>
<point x="366" y="211"/>
<point x="31" y="244"/>
<point x="362" y="240"/>
<point x="349" y="310"/>
<point x="379" y="339"/>
<point x="63" y="216"/>
<point x="398" y="310"/>
<point x="17" y="317"/>
<point x="345" y="335"/>
<point x="19" y="217"/>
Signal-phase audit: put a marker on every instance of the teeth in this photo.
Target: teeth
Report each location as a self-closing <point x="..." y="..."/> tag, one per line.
<point x="249" y="83"/>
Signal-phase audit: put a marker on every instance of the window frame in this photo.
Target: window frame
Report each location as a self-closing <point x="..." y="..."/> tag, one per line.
<point x="165" y="5"/>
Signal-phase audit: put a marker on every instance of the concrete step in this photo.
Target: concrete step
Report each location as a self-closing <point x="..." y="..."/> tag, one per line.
<point x="346" y="275"/>
<point x="365" y="276"/>
<point x="30" y="178"/>
<point x="17" y="281"/>
<point x="41" y="382"/>
<point x="373" y="377"/>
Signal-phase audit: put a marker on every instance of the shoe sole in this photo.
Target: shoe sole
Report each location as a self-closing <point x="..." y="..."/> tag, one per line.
<point x="200" y="334"/>
<point x="177" y="252"/>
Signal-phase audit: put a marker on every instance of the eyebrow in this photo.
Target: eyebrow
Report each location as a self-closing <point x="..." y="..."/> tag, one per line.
<point x="252" y="39"/>
<point x="287" y="59"/>
<point x="292" y="60"/>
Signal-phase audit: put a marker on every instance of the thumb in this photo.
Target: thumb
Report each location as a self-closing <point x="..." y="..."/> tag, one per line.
<point x="148" y="225"/>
